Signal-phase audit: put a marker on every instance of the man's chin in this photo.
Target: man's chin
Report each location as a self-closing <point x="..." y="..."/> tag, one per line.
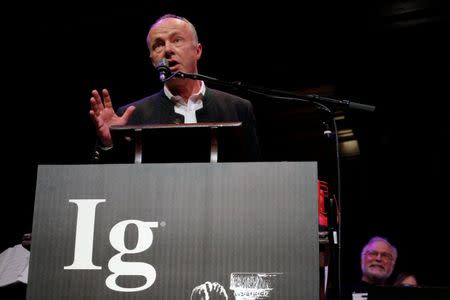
<point x="378" y="274"/>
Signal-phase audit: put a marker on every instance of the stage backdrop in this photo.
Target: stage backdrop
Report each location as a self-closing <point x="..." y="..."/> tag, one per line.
<point x="160" y="231"/>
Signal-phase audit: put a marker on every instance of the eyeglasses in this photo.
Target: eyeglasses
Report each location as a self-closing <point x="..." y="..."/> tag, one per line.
<point x="383" y="255"/>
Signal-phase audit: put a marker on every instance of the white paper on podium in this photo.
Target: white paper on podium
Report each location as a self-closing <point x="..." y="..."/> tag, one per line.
<point x="359" y="296"/>
<point x="14" y="263"/>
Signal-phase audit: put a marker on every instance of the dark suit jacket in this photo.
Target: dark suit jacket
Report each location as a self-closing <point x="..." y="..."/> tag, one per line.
<point x="218" y="106"/>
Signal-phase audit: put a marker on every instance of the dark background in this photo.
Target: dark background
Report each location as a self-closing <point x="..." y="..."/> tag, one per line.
<point x="390" y="54"/>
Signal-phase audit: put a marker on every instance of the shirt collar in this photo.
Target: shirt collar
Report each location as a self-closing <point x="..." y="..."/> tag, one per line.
<point x="193" y="98"/>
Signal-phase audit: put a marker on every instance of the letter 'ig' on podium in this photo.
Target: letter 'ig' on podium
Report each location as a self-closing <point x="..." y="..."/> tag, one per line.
<point x="196" y="142"/>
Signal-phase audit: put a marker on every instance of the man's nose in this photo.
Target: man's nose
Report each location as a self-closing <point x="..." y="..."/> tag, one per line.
<point x="168" y="49"/>
<point x="379" y="256"/>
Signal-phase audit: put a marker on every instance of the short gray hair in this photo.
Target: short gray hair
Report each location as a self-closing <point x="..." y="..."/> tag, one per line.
<point x="172" y="16"/>
<point x="379" y="239"/>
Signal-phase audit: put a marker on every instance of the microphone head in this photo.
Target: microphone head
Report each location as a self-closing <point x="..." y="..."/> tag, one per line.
<point x="162" y="66"/>
<point x="163" y="62"/>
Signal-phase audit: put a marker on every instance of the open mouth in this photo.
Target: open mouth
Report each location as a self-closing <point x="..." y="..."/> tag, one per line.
<point x="172" y="63"/>
<point x="377" y="267"/>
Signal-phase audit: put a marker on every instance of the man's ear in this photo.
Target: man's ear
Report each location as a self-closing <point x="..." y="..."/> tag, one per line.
<point x="199" y="49"/>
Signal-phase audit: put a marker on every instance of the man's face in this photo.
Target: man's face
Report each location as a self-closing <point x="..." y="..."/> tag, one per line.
<point x="409" y="281"/>
<point x="173" y="39"/>
<point x="377" y="262"/>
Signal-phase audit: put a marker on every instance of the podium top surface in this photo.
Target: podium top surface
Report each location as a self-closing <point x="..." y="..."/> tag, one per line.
<point x="183" y="125"/>
<point x="159" y="143"/>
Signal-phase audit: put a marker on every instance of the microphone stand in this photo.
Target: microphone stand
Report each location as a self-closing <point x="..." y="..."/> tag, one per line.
<point x="279" y="94"/>
<point x="333" y="209"/>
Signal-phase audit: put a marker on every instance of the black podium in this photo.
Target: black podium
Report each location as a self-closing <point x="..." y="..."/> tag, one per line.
<point x="152" y="226"/>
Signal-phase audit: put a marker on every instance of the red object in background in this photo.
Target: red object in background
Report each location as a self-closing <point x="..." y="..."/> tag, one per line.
<point x="323" y="194"/>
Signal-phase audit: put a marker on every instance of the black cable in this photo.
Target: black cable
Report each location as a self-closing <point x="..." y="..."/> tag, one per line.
<point x="338" y="210"/>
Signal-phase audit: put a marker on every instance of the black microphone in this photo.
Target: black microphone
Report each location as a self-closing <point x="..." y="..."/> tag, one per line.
<point x="162" y="66"/>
